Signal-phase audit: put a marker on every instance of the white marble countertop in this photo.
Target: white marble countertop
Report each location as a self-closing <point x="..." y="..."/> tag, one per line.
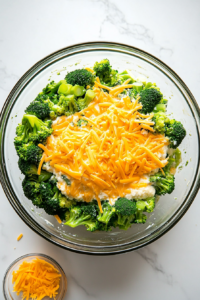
<point x="29" y="30"/>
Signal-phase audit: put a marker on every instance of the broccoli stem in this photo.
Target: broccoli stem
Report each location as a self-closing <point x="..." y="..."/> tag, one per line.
<point x="89" y="96"/>
<point x="160" y="107"/>
<point x="65" y="89"/>
<point x="78" y="90"/>
<point x="138" y="86"/>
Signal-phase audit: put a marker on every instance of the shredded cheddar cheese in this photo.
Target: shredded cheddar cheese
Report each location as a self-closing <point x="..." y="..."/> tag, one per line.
<point x="110" y="154"/>
<point x="58" y="219"/>
<point x="36" y="280"/>
<point x="19" y="237"/>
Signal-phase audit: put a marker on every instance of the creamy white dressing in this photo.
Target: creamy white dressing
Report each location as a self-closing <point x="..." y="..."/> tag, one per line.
<point x="140" y="193"/>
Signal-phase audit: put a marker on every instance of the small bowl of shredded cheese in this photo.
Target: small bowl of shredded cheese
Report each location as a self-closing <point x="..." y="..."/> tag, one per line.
<point x="34" y="276"/>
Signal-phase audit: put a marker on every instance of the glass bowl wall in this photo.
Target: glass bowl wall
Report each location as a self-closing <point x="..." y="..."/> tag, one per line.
<point x="181" y="105"/>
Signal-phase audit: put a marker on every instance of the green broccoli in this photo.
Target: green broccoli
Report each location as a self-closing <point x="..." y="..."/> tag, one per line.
<point x="125" y="207"/>
<point x="164" y="184"/>
<point x="32" y="191"/>
<point x="140" y="217"/>
<point x="32" y="129"/>
<point x="174" y="160"/>
<point x="108" y="76"/>
<point x="78" y="91"/>
<point x="100" y="226"/>
<point x="65" y="89"/>
<point x="30" y="170"/>
<point x="82" y="122"/>
<point x="51" y="102"/>
<point x="29" y="152"/>
<point x="123" y="76"/>
<point x="52" y="88"/>
<point x="108" y="212"/>
<point x="68" y="104"/>
<point x="175" y="132"/>
<point x="64" y="215"/>
<point x="53" y="200"/>
<point x="84" y="102"/>
<point x="83" y="215"/>
<point x="40" y="109"/>
<point x="177" y="157"/>
<point x="161" y="120"/>
<point x="125" y="210"/>
<point x="173" y="129"/>
<point x="103" y="70"/>
<point x="146" y="205"/>
<point x="80" y="77"/>
<point x="161" y="106"/>
<point x="149" y="99"/>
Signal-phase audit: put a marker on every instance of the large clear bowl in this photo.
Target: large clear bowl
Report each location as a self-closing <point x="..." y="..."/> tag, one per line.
<point x="182" y="106"/>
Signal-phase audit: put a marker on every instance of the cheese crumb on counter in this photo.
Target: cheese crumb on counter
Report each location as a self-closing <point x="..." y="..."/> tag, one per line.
<point x="19" y="237"/>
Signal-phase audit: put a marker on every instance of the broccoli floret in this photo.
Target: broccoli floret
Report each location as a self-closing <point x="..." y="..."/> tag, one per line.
<point x="64" y="202"/>
<point x="80" y="77"/>
<point x="29" y="152"/>
<point x="146" y="205"/>
<point x="52" y="88"/>
<point x="68" y="104"/>
<point x="30" y="170"/>
<point x="177" y="157"/>
<point x="53" y="200"/>
<point x="35" y="129"/>
<point x="108" y="76"/>
<point x="161" y="121"/>
<point x="125" y="207"/>
<point x="173" y="160"/>
<point x="64" y="215"/>
<point x="41" y="97"/>
<point x="108" y="212"/>
<point x="140" y="217"/>
<point x="82" y="122"/>
<point x="103" y="70"/>
<point x="123" y="76"/>
<point x="40" y="109"/>
<point x="149" y="99"/>
<point x="164" y="184"/>
<point x="84" y="102"/>
<point x="51" y="102"/>
<point x="89" y="209"/>
<point x="100" y="226"/>
<point x="125" y="210"/>
<point x="51" y="203"/>
<point x="173" y="129"/>
<point x="175" y="132"/>
<point x="32" y="191"/>
<point x="84" y="214"/>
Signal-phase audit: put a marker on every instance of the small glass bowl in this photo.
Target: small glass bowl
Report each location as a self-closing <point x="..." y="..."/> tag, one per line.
<point x="7" y="281"/>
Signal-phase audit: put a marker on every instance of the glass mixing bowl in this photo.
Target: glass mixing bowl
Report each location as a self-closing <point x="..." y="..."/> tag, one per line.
<point x="181" y="105"/>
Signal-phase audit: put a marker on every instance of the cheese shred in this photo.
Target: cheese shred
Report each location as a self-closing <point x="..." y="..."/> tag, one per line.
<point x="19" y="237"/>
<point x="110" y="152"/>
<point x="36" y="279"/>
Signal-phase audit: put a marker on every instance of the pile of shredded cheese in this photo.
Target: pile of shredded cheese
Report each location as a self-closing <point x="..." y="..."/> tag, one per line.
<point x="36" y="280"/>
<point x="111" y="154"/>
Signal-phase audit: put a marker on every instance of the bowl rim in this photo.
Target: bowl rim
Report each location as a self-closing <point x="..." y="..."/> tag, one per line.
<point x="60" y="269"/>
<point x="72" y="246"/>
